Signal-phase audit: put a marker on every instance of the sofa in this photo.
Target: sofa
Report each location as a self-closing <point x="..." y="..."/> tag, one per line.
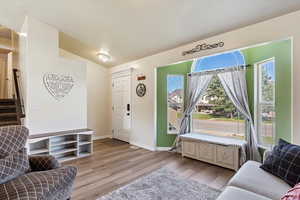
<point x="24" y="177"/>
<point x="253" y="183"/>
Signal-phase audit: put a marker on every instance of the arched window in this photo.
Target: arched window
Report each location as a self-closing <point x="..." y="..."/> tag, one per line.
<point x="230" y="59"/>
<point x="214" y="113"/>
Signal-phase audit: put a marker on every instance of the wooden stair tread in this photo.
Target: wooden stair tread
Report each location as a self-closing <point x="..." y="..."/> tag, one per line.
<point x="2" y="123"/>
<point x="7" y="106"/>
<point x="7" y="100"/>
<point x="11" y="114"/>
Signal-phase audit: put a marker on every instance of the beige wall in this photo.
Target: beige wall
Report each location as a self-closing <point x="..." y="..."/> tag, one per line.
<point x="143" y="109"/>
<point x="40" y="56"/>
<point x="97" y="96"/>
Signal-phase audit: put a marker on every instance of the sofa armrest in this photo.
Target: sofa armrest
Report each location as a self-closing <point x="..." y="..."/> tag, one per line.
<point x="42" y="185"/>
<point x="43" y="163"/>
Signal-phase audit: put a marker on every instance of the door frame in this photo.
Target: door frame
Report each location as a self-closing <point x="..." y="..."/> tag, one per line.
<point x="121" y="74"/>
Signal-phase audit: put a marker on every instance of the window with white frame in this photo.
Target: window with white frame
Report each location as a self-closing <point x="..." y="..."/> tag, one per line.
<point x="265" y="101"/>
<point x="214" y="113"/>
<point x="175" y="99"/>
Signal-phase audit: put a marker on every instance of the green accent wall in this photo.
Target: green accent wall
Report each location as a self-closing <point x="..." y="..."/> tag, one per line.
<point x="282" y="52"/>
<point x="163" y="138"/>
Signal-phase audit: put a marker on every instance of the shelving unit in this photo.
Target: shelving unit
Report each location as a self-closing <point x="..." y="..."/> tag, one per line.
<point x="40" y="151"/>
<point x="64" y="146"/>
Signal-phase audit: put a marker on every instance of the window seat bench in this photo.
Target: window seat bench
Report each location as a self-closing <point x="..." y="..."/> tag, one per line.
<point x="221" y="151"/>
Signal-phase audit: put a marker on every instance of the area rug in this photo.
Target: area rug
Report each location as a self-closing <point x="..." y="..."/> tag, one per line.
<point x="163" y="184"/>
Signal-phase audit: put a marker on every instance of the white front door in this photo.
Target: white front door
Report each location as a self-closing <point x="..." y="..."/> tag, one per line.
<point x="121" y="106"/>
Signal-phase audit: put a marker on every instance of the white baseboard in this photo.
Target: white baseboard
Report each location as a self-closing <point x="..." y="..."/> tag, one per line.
<point x="99" y="137"/>
<point x="143" y="146"/>
<point x="150" y="148"/>
<point x="163" y="148"/>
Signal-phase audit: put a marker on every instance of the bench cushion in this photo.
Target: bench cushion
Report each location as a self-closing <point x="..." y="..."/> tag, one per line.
<point x="254" y="179"/>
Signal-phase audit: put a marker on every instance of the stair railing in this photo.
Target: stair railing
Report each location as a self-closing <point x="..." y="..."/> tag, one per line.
<point x="20" y="101"/>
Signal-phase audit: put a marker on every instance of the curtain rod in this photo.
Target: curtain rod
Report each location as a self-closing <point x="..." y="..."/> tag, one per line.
<point x="220" y="70"/>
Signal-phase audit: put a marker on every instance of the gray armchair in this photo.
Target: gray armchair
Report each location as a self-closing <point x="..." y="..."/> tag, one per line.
<point x="33" y="177"/>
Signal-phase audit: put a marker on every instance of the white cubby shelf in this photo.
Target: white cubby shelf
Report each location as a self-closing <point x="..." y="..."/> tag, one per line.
<point x="64" y="145"/>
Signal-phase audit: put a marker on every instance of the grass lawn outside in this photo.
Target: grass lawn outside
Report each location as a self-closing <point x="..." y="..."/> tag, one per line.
<point x="268" y="140"/>
<point x="208" y="116"/>
<point x="202" y="116"/>
<point x="211" y="117"/>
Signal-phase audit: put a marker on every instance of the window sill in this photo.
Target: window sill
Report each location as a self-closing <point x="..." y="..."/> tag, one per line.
<point x="214" y="139"/>
<point x="172" y="133"/>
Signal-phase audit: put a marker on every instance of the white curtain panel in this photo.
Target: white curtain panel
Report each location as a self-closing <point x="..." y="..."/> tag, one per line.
<point x="235" y="86"/>
<point x="197" y="86"/>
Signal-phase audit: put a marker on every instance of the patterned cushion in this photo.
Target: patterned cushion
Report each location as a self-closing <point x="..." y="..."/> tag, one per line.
<point x="14" y="165"/>
<point x="42" y="163"/>
<point x="292" y="194"/>
<point x="48" y="185"/>
<point x="12" y="139"/>
<point x="284" y="162"/>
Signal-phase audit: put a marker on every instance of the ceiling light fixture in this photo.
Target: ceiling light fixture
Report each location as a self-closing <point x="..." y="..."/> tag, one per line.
<point x="23" y="34"/>
<point x="104" y="56"/>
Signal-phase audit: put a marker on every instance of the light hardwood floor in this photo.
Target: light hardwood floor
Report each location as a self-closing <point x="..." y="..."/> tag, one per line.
<point x="115" y="163"/>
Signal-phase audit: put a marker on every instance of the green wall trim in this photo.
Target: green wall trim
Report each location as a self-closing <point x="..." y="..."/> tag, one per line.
<point x="163" y="138"/>
<point x="282" y="52"/>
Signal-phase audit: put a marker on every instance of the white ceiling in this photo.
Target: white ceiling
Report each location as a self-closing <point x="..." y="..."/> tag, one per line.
<point x="132" y="29"/>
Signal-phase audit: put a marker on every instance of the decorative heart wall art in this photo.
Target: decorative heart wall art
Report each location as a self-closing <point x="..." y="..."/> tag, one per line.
<point x="58" y="85"/>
